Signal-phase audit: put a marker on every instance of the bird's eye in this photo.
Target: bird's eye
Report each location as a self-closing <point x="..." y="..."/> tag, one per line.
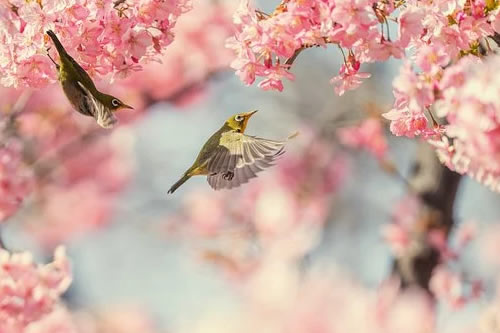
<point x="115" y="102"/>
<point x="238" y="118"/>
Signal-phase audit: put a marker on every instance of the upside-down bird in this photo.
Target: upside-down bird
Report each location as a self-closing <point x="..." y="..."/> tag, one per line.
<point x="81" y="90"/>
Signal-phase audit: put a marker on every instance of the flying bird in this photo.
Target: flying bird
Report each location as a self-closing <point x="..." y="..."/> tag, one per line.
<point x="81" y="90"/>
<point x="230" y="158"/>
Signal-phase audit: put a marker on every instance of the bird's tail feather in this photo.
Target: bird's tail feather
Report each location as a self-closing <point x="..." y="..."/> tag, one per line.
<point x="57" y="43"/>
<point x="178" y="183"/>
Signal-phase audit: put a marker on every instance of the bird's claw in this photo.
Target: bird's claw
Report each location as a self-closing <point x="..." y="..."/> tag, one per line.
<point x="53" y="61"/>
<point x="228" y="175"/>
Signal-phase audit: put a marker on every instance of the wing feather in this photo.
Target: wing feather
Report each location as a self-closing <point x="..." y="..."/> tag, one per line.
<point x="235" y="157"/>
<point x="247" y="154"/>
<point x="254" y="168"/>
<point x="214" y="164"/>
<point x="242" y="155"/>
<point x="249" y="174"/>
<point x="103" y="115"/>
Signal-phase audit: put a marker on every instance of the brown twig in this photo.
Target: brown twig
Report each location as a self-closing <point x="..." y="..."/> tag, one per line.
<point x="291" y="60"/>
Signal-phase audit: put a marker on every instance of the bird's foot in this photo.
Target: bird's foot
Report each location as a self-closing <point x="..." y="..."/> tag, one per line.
<point x="228" y="175"/>
<point x="48" y="54"/>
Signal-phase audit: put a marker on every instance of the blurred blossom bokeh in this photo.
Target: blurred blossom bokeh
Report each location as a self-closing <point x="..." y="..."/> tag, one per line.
<point x="93" y="243"/>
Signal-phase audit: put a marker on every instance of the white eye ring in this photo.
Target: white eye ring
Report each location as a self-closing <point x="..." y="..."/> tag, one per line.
<point x="238" y="118"/>
<point x="115" y="102"/>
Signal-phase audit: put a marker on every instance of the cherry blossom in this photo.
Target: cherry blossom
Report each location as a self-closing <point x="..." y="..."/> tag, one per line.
<point x="197" y="52"/>
<point x="320" y="301"/>
<point x="120" y="318"/>
<point x="105" y="38"/>
<point x="258" y="237"/>
<point x="349" y="78"/>
<point x="453" y="288"/>
<point x="42" y="134"/>
<point x="437" y="39"/>
<point x="398" y="233"/>
<point x="469" y="103"/>
<point x="60" y="319"/>
<point x="368" y="135"/>
<point x="264" y="42"/>
<point x="29" y="291"/>
<point x="38" y="161"/>
<point x="15" y="179"/>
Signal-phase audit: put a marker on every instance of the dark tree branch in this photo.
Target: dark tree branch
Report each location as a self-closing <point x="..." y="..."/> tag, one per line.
<point x="436" y="186"/>
<point x="289" y="62"/>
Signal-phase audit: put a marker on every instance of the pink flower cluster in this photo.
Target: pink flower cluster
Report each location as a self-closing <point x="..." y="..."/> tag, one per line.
<point x="197" y="51"/>
<point x="438" y="31"/>
<point x="29" y="291"/>
<point x="413" y="95"/>
<point x="279" y="297"/>
<point x="60" y="159"/>
<point x="103" y="36"/>
<point x="264" y="42"/>
<point x="445" y="77"/>
<point x="465" y="95"/>
<point x="112" y="319"/>
<point x="398" y="234"/>
<point x="86" y="194"/>
<point x="369" y="136"/>
<point x="471" y="141"/>
<point x="46" y="153"/>
<point x="15" y="179"/>
<point x="443" y="39"/>
<point x="454" y="287"/>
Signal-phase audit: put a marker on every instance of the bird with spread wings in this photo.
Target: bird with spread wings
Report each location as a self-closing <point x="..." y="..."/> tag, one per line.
<point x="230" y="158"/>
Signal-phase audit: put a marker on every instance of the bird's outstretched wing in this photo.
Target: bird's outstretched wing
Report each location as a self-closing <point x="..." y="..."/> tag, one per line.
<point x="91" y="106"/>
<point x="239" y="158"/>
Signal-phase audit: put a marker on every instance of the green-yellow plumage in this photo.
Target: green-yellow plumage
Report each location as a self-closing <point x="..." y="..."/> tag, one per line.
<point x="230" y="158"/>
<point x="81" y="90"/>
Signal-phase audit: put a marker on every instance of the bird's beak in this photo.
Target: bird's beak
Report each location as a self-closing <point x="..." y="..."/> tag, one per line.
<point x="251" y="113"/>
<point x="125" y="106"/>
